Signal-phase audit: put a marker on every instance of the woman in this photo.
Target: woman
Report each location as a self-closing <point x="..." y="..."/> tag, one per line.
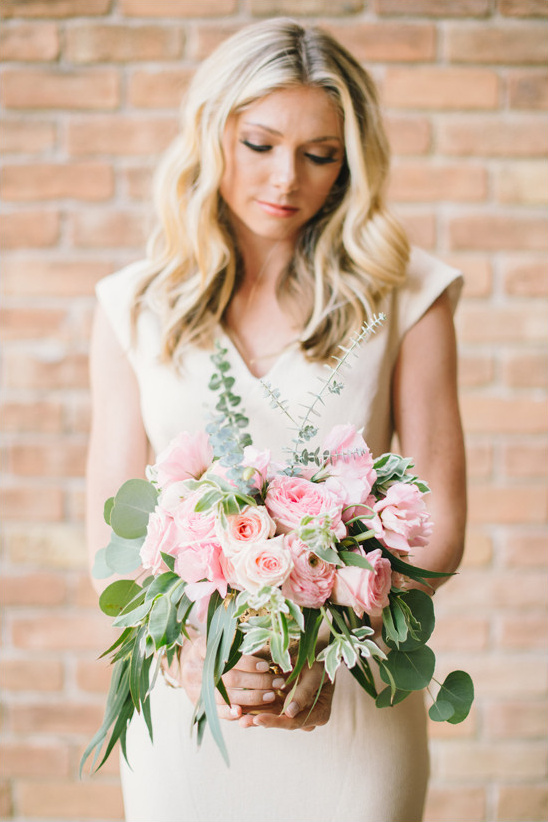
<point x="273" y="237"/>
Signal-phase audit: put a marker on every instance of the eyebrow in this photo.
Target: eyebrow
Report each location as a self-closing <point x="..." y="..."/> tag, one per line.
<point x="279" y="133"/>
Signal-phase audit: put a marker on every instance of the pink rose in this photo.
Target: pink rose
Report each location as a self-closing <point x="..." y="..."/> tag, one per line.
<point x="311" y="579"/>
<point x="261" y="564"/>
<point x="194" y="526"/>
<point x="252" y="524"/>
<point x="199" y="562"/>
<point x="351" y="477"/>
<point x="289" y="499"/>
<point x="364" y="591"/>
<point x="162" y="537"/>
<point x="402" y="521"/>
<point x="187" y="456"/>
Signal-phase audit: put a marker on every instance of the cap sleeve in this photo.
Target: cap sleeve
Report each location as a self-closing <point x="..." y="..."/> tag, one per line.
<point x="115" y="294"/>
<point x="427" y="278"/>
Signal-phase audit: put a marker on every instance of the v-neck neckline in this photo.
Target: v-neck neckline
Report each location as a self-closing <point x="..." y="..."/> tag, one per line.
<point x="234" y="348"/>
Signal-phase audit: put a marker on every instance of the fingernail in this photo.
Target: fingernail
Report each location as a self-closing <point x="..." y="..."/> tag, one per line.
<point x="234" y="711"/>
<point x="262" y="666"/>
<point x="292" y="709"/>
<point x="279" y="682"/>
<point x="270" y="696"/>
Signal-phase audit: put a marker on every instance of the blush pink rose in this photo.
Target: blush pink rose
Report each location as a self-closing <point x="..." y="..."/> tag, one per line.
<point x="187" y="456"/>
<point x="200" y="562"/>
<point x="401" y="521"/>
<point x="311" y="580"/>
<point x="350" y="477"/>
<point x="194" y="526"/>
<point x="289" y="499"/>
<point x="252" y="524"/>
<point x="162" y="537"/>
<point x="363" y="590"/>
<point x="261" y="564"/>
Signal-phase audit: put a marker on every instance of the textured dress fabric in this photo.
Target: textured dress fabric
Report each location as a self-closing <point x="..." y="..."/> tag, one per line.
<point x="366" y="764"/>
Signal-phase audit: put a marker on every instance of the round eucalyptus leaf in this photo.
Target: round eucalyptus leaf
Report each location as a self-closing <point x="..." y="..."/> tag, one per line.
<point x="132" y="507"/>
<point x="115" y="598"/>
<point x="458" y="689"/>
<point x="441" y="710"/>
<point x="411" y="670"/>
<point x="422" y="608"/>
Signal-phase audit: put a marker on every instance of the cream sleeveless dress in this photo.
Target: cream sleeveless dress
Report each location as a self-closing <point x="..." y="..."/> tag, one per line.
<point x="366" y="764"/>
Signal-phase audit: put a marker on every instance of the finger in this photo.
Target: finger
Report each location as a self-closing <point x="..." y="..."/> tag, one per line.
<point x="244" y="697"/>
<point x="252" y="664"/>
<point x="229" y="712"/>
<point x="259" y="682"/>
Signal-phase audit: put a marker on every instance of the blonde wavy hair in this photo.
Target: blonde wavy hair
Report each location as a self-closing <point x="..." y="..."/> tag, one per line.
<point x="348" y="256"/>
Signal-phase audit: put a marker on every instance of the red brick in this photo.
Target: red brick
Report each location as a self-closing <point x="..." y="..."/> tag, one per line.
<point x="525" y="459"/>
<point x="56" y="717"/>
<point x="31" y="323"/>
<point x="509" y="718"/>
<point x="20" y="674"/>
<point x="61" y="458"/>
<point x="54" y="277"/>
<point x="475" y="370"/>
<point x="420" y="226"/>
<point x="526" y="371"/>
<point x="433" y="8"/>
<point x="32" y="504"/>
<point x="138" y="182"/>
<point x="18" y="136"/>
<point x="53" y="799"/>
<point x="441" y="87"/>
<point x="477" y="273"/>
<point x="526" y="278"/>
<point x="68" y="631"/>
<point x="523" y="503"/>
<point x="498" y="232"/>
<point x="34" y="229"/>
<point x="158" y="89"/>
<point x="527" y="548"/>
<point x="95" y="43"/>
<point x="387" y="42"/>
<point x="34" y="760"/>
<point x="273" y="8"/>
<point x="528" y="89"/>
<point x="54" y="8"/>
<point x="29" y="41"/>
<point x="85" y="595"/>
<point x="32" y="589"/>
<point x="522" y="803"/>
<point x="447" y="804"/>
<point x="59" y="545"/>
<point x="205" y="38"/>
<point x="93" y="676"/>
<point x="416" y="181"/>
<point x="47" y="369"/>
<point x="6" y="803"/>
<point x="76" y="504"/>
<point x="523" y="8"/>
<point x="42" y="416"/>
<point x="528" y="633"/>
<point x="485" y="590"/>
<point x="483" y="323"/>
<point x="107" y="229"/>
<point x="482" y="760"/>
<point x="493" y="675"/>
<point x="478" y="549"/>
<point x="120" y="135"/>
<point x="471" y="43"/>
<point x="167" y="8"/>
<point x="408" y="135"/>
<point x="523" y="181"/>
<point x="479" y="459"/>
<point x="482" y="135"/>
<point x="78" y="415"/>
<point x="47" y="181"/>
<point x="460" y="633"/>
<point x="85" y="89"/>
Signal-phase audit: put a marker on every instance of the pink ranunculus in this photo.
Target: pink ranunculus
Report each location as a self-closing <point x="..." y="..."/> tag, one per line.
<point x="200" y="562"/>
<point x="363" y="590"/>
<point x="194" y="526"/>
<point x="162" y="537"/>
<point x="350" y="475"/>
<point x="252" y="524"/>
<point x="311" y="579"/>
<point x="289" y="499"/>
<point x="187" y="456"/>
<point x="262" y="563"/>
<point x="402" y="521"/>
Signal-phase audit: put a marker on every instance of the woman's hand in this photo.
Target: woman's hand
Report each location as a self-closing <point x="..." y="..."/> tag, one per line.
<point x="300" y="713"/>
<point x="249" y="684"/>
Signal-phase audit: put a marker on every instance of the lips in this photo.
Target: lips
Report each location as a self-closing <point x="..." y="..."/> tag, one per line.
<point x="277" y="210"/>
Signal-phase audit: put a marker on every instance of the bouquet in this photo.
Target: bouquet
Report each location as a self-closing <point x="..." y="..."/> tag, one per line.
<point x="272" y="557"/>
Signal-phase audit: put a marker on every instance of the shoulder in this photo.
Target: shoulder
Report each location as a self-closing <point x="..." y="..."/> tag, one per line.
<point x="427" y="279"/>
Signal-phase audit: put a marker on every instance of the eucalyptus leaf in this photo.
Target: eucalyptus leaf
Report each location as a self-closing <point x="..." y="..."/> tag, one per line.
<point x="458" y="690"/>
<point x="386" y="699"/>
<point x="101" y="570"/>
<point x="410" y="670"/>
<point x="107" y="509"/>
<point x="441" y="711"/>
<point x="158" y="620"/>
<point x="115" y="598"/>
<point x="123" y="555"/>
<point x="133" y="504"/>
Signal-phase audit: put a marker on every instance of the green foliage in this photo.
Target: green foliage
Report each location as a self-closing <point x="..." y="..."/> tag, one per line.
<point x="454" y="699"/>
<point x="393" y="468"/>
<point x="132" y="506"/>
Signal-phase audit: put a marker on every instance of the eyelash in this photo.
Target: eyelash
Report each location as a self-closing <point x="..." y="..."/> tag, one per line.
<point x="262" y="149"/>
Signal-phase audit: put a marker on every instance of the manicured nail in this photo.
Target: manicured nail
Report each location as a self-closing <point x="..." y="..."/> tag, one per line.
<point x="279" y="682"/>
<point x="234" y="711"/>
<point x="292" y="709"/>
<point x="262" y="666"/>
<point x="270" y="696"/>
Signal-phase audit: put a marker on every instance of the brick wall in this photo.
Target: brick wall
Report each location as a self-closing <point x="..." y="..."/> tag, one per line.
<point x="89" y="96"/>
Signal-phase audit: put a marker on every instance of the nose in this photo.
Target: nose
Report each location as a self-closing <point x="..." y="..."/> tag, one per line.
<point x="284" y="173"/>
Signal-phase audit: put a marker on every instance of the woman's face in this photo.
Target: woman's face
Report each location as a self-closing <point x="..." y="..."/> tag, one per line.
<point x="283" y="154"/>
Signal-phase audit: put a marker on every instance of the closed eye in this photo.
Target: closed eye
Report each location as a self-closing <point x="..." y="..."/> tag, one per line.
<point x="321" y="161"/>
<point x="256" y="146"/>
